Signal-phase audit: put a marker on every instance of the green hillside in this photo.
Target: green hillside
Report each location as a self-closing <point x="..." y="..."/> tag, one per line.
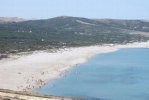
<point x="66" y="31"/>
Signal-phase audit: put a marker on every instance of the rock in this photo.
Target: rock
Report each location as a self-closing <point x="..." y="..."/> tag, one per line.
<point x="3" y="56"/>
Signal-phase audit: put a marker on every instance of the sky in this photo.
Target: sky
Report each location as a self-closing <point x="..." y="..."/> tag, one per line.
<point x="42" y="9"/>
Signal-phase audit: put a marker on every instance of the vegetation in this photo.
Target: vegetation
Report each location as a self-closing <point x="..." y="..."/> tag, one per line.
<point x="68" y="32"/>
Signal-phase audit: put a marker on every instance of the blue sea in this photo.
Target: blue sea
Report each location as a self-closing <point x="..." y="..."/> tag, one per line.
<point x="120" y="75"/>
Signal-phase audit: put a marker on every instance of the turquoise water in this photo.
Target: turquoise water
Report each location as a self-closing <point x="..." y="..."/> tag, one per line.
<point x="121" y="75"/>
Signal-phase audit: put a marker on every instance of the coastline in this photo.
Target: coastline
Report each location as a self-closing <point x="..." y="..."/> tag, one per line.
<point x="29" y="72"/>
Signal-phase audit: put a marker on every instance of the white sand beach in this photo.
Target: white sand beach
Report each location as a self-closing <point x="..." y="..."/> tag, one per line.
<point x="32" y="71"/>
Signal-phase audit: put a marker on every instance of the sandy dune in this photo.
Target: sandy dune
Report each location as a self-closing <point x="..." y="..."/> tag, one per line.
<point x="28" y="72"/>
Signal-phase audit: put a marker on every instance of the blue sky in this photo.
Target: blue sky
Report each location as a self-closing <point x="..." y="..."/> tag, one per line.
<point x="39" y="9"/>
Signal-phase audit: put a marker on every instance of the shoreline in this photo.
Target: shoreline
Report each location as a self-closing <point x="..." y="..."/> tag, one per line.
<point x="30" y="72"/>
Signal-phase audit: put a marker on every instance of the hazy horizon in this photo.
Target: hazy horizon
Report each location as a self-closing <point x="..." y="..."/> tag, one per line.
<point x="71" y="16"/>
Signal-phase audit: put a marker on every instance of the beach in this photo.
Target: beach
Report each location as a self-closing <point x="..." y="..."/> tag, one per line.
<point x="28" y="72"/>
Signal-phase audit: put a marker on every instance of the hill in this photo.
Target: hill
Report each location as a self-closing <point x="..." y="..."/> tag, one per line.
<point x="67" y="31"/>
<point x="11" y="19"/>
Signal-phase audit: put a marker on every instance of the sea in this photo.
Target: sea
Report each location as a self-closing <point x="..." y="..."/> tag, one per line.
<point x="120" y="75"/>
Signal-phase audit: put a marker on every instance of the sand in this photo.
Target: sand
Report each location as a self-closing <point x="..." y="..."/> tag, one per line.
<point x="27" y="72"/>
